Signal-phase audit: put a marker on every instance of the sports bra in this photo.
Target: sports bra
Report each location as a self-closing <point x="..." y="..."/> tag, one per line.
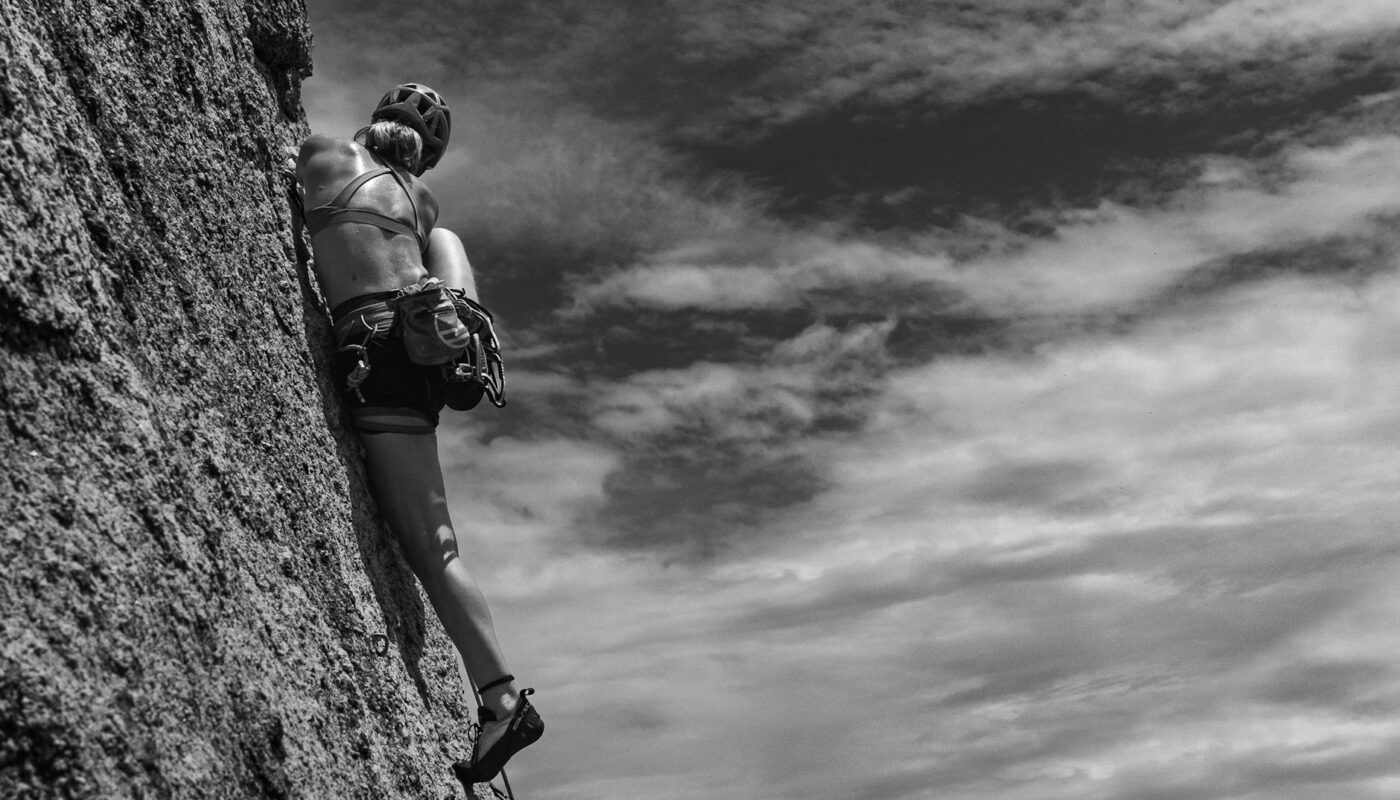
<point x="339" y="212"/>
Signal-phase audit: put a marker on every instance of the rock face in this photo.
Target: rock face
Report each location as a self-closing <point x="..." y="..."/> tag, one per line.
<point x="192" y="581"/>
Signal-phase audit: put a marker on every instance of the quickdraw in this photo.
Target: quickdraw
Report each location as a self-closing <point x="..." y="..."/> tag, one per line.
<point x="370" y="324"/>
<point x="482" y="361"/>
<point x="357" y="375"/>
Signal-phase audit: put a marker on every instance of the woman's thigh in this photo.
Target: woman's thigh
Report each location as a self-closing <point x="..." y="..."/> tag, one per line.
<point x="406" y="476"/>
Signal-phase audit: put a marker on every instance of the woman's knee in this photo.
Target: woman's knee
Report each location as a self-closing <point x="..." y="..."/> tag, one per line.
<point x="430" y="551"/>
<point x="447" y="260"/>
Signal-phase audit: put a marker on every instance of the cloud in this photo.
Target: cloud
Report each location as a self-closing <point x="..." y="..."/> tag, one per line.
<point x="1110" y="259"/>
<point x="1259" y="23"/>
<point x="909" y="539"/>
<point x="548" y="202"/>
<point x="809" y="59"/>
<point x="1010" y="114"/>
<point x="779" y="61"/>
<point x="713" y="451"/>
<point x="776" y="272"/>
<point x="1144" y="398"/>
<point x="1114" y="256"/>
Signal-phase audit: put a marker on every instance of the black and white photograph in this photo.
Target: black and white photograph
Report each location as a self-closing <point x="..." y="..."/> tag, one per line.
<point x="682" y="399"/>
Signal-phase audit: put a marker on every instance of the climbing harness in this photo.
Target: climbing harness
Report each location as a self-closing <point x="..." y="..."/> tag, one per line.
<point x="353" y="334"/>
<point x="439" y="326"/>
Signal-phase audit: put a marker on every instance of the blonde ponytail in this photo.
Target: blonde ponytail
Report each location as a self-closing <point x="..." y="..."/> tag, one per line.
<point x="394" y="141"/>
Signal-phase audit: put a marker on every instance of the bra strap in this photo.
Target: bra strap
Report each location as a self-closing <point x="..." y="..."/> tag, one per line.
<point x="342" y="200"/>
<point x="417" y="220"/>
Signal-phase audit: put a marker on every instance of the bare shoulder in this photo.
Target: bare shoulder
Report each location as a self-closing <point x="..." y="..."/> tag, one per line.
<point x="320" y="152"/>
<point x="318" y="143"/>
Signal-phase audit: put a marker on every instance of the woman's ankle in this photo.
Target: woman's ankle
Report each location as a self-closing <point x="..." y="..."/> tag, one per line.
<point x="501" y="700"/>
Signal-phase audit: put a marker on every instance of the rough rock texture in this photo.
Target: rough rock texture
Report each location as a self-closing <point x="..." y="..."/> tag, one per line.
<point x="191" y="580"/>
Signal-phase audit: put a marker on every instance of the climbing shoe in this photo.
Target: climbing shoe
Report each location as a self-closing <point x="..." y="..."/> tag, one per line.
<point x="523" y="729"/>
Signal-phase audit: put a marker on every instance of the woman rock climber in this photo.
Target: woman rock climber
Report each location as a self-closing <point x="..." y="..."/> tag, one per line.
<point x="412" y="339"/>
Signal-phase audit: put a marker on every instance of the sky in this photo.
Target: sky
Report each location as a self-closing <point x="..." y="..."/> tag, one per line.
<point x="935" y="399"/>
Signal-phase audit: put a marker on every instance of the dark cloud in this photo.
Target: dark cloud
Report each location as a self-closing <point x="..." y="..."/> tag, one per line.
<point x="1352" y="259"/>
<point x="697" y="500"/>
<point x="618" y="342"/>
<point x="903" y="114"/>
<point x="1034" y="483"/>
<point x="731" y="456"/>
<point x="549" y="203"/>
<point x="1131" y="138"/>
<point x="1361" y="687"/>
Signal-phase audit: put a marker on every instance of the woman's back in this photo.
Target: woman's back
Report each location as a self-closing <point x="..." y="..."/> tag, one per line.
<point x="366" y="254"/>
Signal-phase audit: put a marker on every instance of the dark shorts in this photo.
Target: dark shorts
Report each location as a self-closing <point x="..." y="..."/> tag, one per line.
<point x="395" y="395"/>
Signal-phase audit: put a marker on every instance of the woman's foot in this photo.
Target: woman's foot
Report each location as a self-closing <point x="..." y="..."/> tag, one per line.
<point x="499" y="739"/>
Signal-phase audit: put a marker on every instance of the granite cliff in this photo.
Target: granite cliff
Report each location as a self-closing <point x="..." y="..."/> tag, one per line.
<point x="196" y="597"/>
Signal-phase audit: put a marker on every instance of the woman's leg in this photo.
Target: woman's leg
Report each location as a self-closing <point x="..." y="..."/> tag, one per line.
<point x="406" y="477"/>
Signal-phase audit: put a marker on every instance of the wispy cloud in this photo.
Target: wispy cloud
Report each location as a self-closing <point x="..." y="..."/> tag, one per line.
<point x="1108" y="259"/>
